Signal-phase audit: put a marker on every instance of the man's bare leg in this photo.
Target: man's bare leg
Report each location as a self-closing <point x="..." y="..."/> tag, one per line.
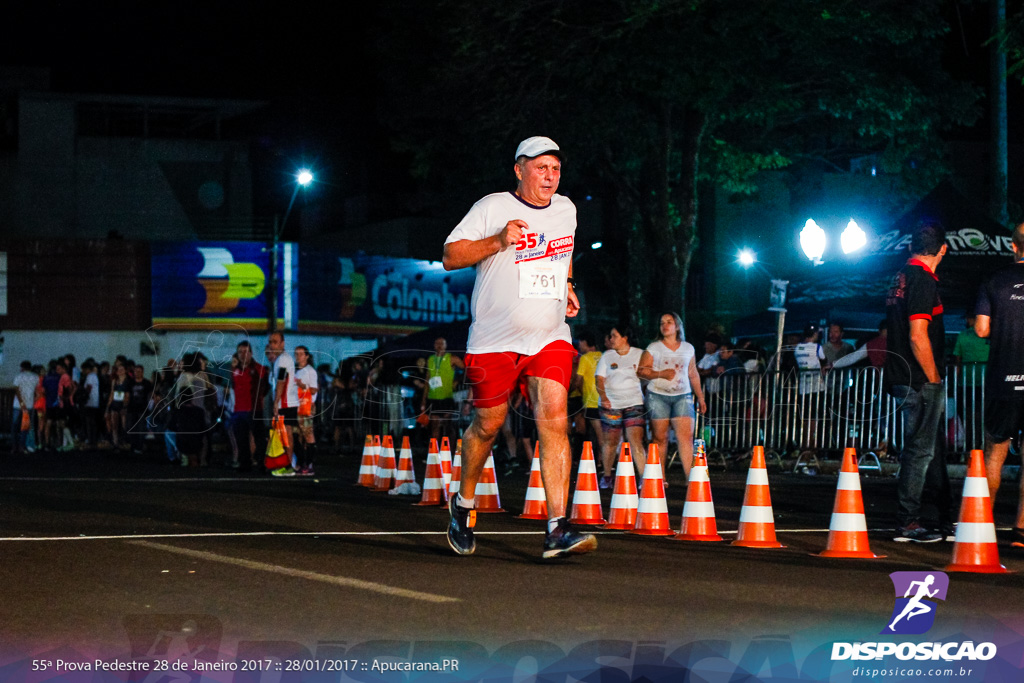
<point x="995" y="456"/>
<point x="548" y="398"/>
<point x="476" y="445"/>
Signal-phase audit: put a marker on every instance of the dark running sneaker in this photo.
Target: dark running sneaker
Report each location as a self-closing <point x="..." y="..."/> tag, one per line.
<point x="917" y="533"/>
<point x="565" y="540"/>
<point x="1017" y="538"/>
<point x="460" y="528"/>
<point x="948" y="531"/>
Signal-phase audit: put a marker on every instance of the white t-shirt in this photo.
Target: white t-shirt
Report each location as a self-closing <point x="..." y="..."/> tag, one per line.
<point x="284" y="369"/>
<point x="808" y="358"/>
<point x="308" y="377"/>
<point x="26" y="382"/>
<point x="504" y="317"/>
<point x="93" y="382"/>
<point x="679" y="360"/>
<point x="621" y="384"/>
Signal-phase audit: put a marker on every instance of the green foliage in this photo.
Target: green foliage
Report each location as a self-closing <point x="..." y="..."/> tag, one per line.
<point x="649" y="97"/>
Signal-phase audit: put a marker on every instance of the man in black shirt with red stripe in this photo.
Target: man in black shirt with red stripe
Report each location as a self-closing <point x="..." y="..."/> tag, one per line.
<point x="913" y="373"/>
<point x="1000" y="317"/>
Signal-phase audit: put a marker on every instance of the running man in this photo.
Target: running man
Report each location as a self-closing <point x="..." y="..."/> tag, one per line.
<point x="521" y="245"/>
<point x="915" y="607"/>
<point x="1000" y="317"/>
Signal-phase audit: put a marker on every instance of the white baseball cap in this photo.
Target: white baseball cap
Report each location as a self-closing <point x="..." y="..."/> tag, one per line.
<point x="536" y="146"/>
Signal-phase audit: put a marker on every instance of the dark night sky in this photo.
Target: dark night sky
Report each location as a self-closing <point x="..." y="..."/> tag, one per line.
<point x="312" y="61"/>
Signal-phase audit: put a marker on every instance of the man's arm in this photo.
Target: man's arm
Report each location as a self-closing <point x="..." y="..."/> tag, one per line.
<point x="465" y="253"/>
<point x="921" y="346"/>
<point x="983" y="326"/>
<point x="572" y="306"/>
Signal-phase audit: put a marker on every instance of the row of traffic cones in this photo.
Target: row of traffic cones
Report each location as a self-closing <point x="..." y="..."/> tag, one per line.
<point x="378" y="471"/>
<point x="646" y="513"/>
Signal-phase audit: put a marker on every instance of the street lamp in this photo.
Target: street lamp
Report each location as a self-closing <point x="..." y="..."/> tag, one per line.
<point x="853" y="238"/>
<point x="812" y="241"/>
<point x="303" y="179"/>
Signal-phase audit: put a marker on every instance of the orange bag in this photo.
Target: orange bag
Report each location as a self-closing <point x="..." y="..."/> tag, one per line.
<point x="280" y="439"/>
<point x="26" y="421"/>
<point x="305" y="403"/>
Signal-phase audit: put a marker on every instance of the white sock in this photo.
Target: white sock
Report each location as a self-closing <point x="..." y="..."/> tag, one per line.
<point x="553" y="523"/>
<point x="466" y="503"/>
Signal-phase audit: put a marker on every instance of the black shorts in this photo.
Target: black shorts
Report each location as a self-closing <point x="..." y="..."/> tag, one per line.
<point x="443" y="407"/>
<point x="1004" y="417"/>
<point x="575" y="406"/>
<point x="290" y="415"/>
<point x="592" y="413"/>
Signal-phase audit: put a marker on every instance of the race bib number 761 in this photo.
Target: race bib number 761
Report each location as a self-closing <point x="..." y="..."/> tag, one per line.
<point x="542" y="280"/>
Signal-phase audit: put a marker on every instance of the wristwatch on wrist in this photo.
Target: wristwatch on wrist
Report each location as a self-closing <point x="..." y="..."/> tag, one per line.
<point x="571" y="281"/>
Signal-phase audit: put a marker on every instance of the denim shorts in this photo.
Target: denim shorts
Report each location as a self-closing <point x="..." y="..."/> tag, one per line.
<point x="662" y="407"/>
<point x="617" y="418"/>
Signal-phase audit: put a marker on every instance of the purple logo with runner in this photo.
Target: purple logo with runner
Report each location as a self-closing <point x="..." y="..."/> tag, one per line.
<point x="916" y="593"/>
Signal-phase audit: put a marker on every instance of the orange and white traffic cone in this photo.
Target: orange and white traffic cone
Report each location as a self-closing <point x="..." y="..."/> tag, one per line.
<point x="486" y="496"/>
<point x="975" y="549"/>
<point x="385" y="467"/>
<point x="453" y="487"/>
<point x="536" y="504"/>
<point x="622" y="511"/>
<point x="757" y="523"/>
<point x="848" y="530"/>
<point x="367" y="464"/>
<point x="404" y="473"/>
<point x="586" y="501"/>
<point x="698" y="510"/>
<point x="446" y="463"/>
<point x="433" y="479"/>
<point x="652" y="510"/>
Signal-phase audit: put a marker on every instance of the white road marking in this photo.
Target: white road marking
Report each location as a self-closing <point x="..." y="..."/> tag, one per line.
<point x="245" y="534"/>
<point x="343" y="581"/>
<point x="168" y="480"/>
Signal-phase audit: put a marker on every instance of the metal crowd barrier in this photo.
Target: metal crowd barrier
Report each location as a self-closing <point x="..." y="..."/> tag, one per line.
<point x="808" y="411"/>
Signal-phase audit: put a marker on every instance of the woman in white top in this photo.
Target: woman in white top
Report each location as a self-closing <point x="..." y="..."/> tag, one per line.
<point x="670" y="366"/>
<point x="622" y="400"/>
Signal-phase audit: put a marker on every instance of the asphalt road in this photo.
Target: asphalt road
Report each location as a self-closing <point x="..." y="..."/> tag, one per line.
<point x="104" y="555"/>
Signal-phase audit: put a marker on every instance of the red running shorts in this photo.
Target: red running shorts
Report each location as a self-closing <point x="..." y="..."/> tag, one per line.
<point x="493" y="376"/>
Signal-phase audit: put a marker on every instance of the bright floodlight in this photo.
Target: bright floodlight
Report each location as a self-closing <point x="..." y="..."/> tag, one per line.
<point x="853" y="238"/>
<point x="746" y="257"/>
<point x="596" y="245"/>
<point x="304" y="177"/>
<point x="812" y="240"/>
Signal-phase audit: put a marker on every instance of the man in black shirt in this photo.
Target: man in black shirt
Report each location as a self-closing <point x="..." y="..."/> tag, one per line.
<point x="1000" y="317"/>
<point x="913" y="373"/>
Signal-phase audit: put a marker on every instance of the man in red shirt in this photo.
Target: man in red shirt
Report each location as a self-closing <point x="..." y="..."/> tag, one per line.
<point x="248" y="387"/>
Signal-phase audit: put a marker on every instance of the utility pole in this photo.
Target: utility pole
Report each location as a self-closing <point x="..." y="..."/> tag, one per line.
<point x="998" y="147"/>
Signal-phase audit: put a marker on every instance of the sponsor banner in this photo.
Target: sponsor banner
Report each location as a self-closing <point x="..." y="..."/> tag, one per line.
<point x="962" y="242"/>
<point x="362" y="294"/>
<point x="216" y="283"/>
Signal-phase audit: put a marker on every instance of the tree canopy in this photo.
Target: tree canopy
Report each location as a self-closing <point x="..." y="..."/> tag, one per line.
<point x="651" y="98"/>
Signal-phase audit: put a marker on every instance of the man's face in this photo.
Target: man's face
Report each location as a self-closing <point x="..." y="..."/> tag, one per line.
<point x="835" y="334"/>
<point x="139" y="373"/>
<point x="276" y="343"/>
<point x="440" y="346"/>
<point x="538" y="178"/>
<point x="725" y="354"/>
<point x="244" y="354"/>
<point x="710" y="347"/>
